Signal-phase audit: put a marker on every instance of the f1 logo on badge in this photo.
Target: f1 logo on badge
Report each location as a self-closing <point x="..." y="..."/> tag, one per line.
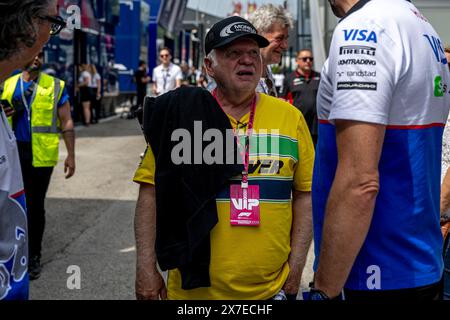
<point x="244" y="214"/>
<point x="240" y="204"/>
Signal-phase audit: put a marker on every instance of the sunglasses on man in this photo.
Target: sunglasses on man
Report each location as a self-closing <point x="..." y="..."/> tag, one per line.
<point x="305" y="59"/>
<point x="57" y="24"/>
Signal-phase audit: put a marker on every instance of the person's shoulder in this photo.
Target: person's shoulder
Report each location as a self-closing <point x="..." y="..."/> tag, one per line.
<point x="381" y="13"/>
<point x="279" y="106"/>
<point x="50" y="77"/>
<point x="315" y="75"/>
<point x="291" y="75"/>
<point x="175" y="66"/>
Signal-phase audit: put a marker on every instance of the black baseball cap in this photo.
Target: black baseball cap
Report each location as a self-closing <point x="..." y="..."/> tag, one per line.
<point x="229" y="29"/>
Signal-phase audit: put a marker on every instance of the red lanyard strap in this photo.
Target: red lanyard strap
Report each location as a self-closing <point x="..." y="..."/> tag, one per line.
<point x="246" y="154"/>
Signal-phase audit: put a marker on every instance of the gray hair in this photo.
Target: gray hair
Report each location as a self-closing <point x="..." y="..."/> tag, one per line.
<point x="18" y="25"/>
<point x="213" y="57"/>
<point x="267" y="15"/>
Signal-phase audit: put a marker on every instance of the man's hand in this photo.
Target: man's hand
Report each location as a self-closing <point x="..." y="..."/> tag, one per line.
<point x="301" y="236"/>
<point x="149" y="284"/>
<point x="69" y="166"/>
<point x="292" y="284"/>
<point x="9" y="111"/>
<point x="445" y="218"/>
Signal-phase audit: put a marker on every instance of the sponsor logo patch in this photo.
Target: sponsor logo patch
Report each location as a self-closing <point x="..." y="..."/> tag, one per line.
<point x="360" y="35"/>
<point x="363" y="74"/>
<point x="236" y="27"/>
<point x="438" y="49"/>
<point x="372" y="86"/>
<point x="355" y="50"/>
<point x="357" y="62"/>
<point x="440" y="88"/>
<point x="360" y="73"/>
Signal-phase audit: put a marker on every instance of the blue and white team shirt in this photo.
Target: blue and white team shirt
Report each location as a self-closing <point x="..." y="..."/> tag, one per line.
<point x="13" y="219"/>
<point x="387" y="66"/>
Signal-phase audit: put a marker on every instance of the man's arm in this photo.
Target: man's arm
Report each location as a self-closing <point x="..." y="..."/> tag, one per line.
<point x="178" y="78"/>
<point x="154" y="85"/>
<point x="99" y="88"/>
<point x="68" y="134"/>
<point x="445" y="192"/>
<point x="149" y="282"/>
<point x="301" y="236"/>
<point x="351" y="202"/>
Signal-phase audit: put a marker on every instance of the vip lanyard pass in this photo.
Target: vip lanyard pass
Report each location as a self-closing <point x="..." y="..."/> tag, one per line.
<point x="24" y="99"/>
<point x="246" y="152"/>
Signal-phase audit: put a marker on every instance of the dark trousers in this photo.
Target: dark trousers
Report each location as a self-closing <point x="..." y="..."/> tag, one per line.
<point x="140" y="97"/>
<point x="36" y="182"/>
<point x="96" y="108"/>
<point x="425" y="293"/>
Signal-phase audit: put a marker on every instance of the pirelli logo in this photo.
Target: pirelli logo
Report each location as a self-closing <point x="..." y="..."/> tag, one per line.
<point x="372" y="86"/>
<point x="356" y="50"/>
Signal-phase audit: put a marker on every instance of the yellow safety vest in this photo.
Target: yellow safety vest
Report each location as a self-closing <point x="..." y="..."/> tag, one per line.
<point x="45" y="125"/>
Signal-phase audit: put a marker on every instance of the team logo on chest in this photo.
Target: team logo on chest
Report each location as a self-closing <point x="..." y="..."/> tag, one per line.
<point x="360" y="35"/>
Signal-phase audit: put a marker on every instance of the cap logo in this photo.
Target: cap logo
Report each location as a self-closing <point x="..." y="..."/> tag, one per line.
<point x="238" y="27"/>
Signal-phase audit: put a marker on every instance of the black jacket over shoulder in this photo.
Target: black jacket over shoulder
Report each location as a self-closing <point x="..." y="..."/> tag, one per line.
<point x="186" y="193"/>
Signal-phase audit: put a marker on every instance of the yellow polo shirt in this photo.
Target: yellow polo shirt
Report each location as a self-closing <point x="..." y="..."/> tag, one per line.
<point x="251" y="262"/>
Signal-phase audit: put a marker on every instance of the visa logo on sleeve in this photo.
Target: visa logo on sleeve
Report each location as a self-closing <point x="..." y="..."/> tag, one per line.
<point x="360" y="35"/>
<point x="438" y="49"/>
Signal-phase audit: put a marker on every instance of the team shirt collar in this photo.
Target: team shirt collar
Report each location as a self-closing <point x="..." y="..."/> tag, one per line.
<point x="358" y="6"/>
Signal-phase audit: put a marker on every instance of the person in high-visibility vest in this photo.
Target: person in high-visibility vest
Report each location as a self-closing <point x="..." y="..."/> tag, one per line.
<point x="41" y="110"/>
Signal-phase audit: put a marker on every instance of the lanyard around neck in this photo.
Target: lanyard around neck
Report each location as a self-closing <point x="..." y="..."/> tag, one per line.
<point x="246" y="153"/>
<point x="165" y="72"/>
<point x="24" y="99"/>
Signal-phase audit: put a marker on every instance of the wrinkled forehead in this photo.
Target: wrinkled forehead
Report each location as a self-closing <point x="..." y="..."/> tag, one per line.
<point x="304" y="53"/>
<point x="277" y="28"/>
<point x="243" y="43"/>
<point x="164" y="51"/>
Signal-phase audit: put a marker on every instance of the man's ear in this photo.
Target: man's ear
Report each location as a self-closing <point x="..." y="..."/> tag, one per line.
<point x="208" y="66"/>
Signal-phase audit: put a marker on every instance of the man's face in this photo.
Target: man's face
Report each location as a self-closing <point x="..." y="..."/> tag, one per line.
<point x="43" y="28"/>
<point x="36" y="63"/>
<point x="447" y="55"/>
<point x="336" y="6"/>
<point x="278" y="38"/>
<point x="164" y="56"/>
<point x="305" y="60"/>
<point x="239" y="65"/>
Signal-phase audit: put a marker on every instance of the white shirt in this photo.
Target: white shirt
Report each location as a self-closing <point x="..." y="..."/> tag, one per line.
<point x="383" y="70"/>
<point x="95" y="78"/>
<point x="387" y="66"/>
<point x="85" y="75"/>
<point x="165" y="78"/>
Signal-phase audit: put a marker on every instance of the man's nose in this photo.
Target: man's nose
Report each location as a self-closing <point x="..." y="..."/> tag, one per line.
<point x="247" y="58"/>
<point x="284" y="44"/>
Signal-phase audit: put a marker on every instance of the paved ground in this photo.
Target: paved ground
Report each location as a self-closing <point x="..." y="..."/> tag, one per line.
<point x="90" y="217"/>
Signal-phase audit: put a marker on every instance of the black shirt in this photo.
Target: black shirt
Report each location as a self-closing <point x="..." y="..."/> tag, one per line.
<point x="302" y="93"/>
<point x="139" y="74"/>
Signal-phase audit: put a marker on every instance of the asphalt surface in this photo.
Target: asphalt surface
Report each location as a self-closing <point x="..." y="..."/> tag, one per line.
<point x="90" y="218"/>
